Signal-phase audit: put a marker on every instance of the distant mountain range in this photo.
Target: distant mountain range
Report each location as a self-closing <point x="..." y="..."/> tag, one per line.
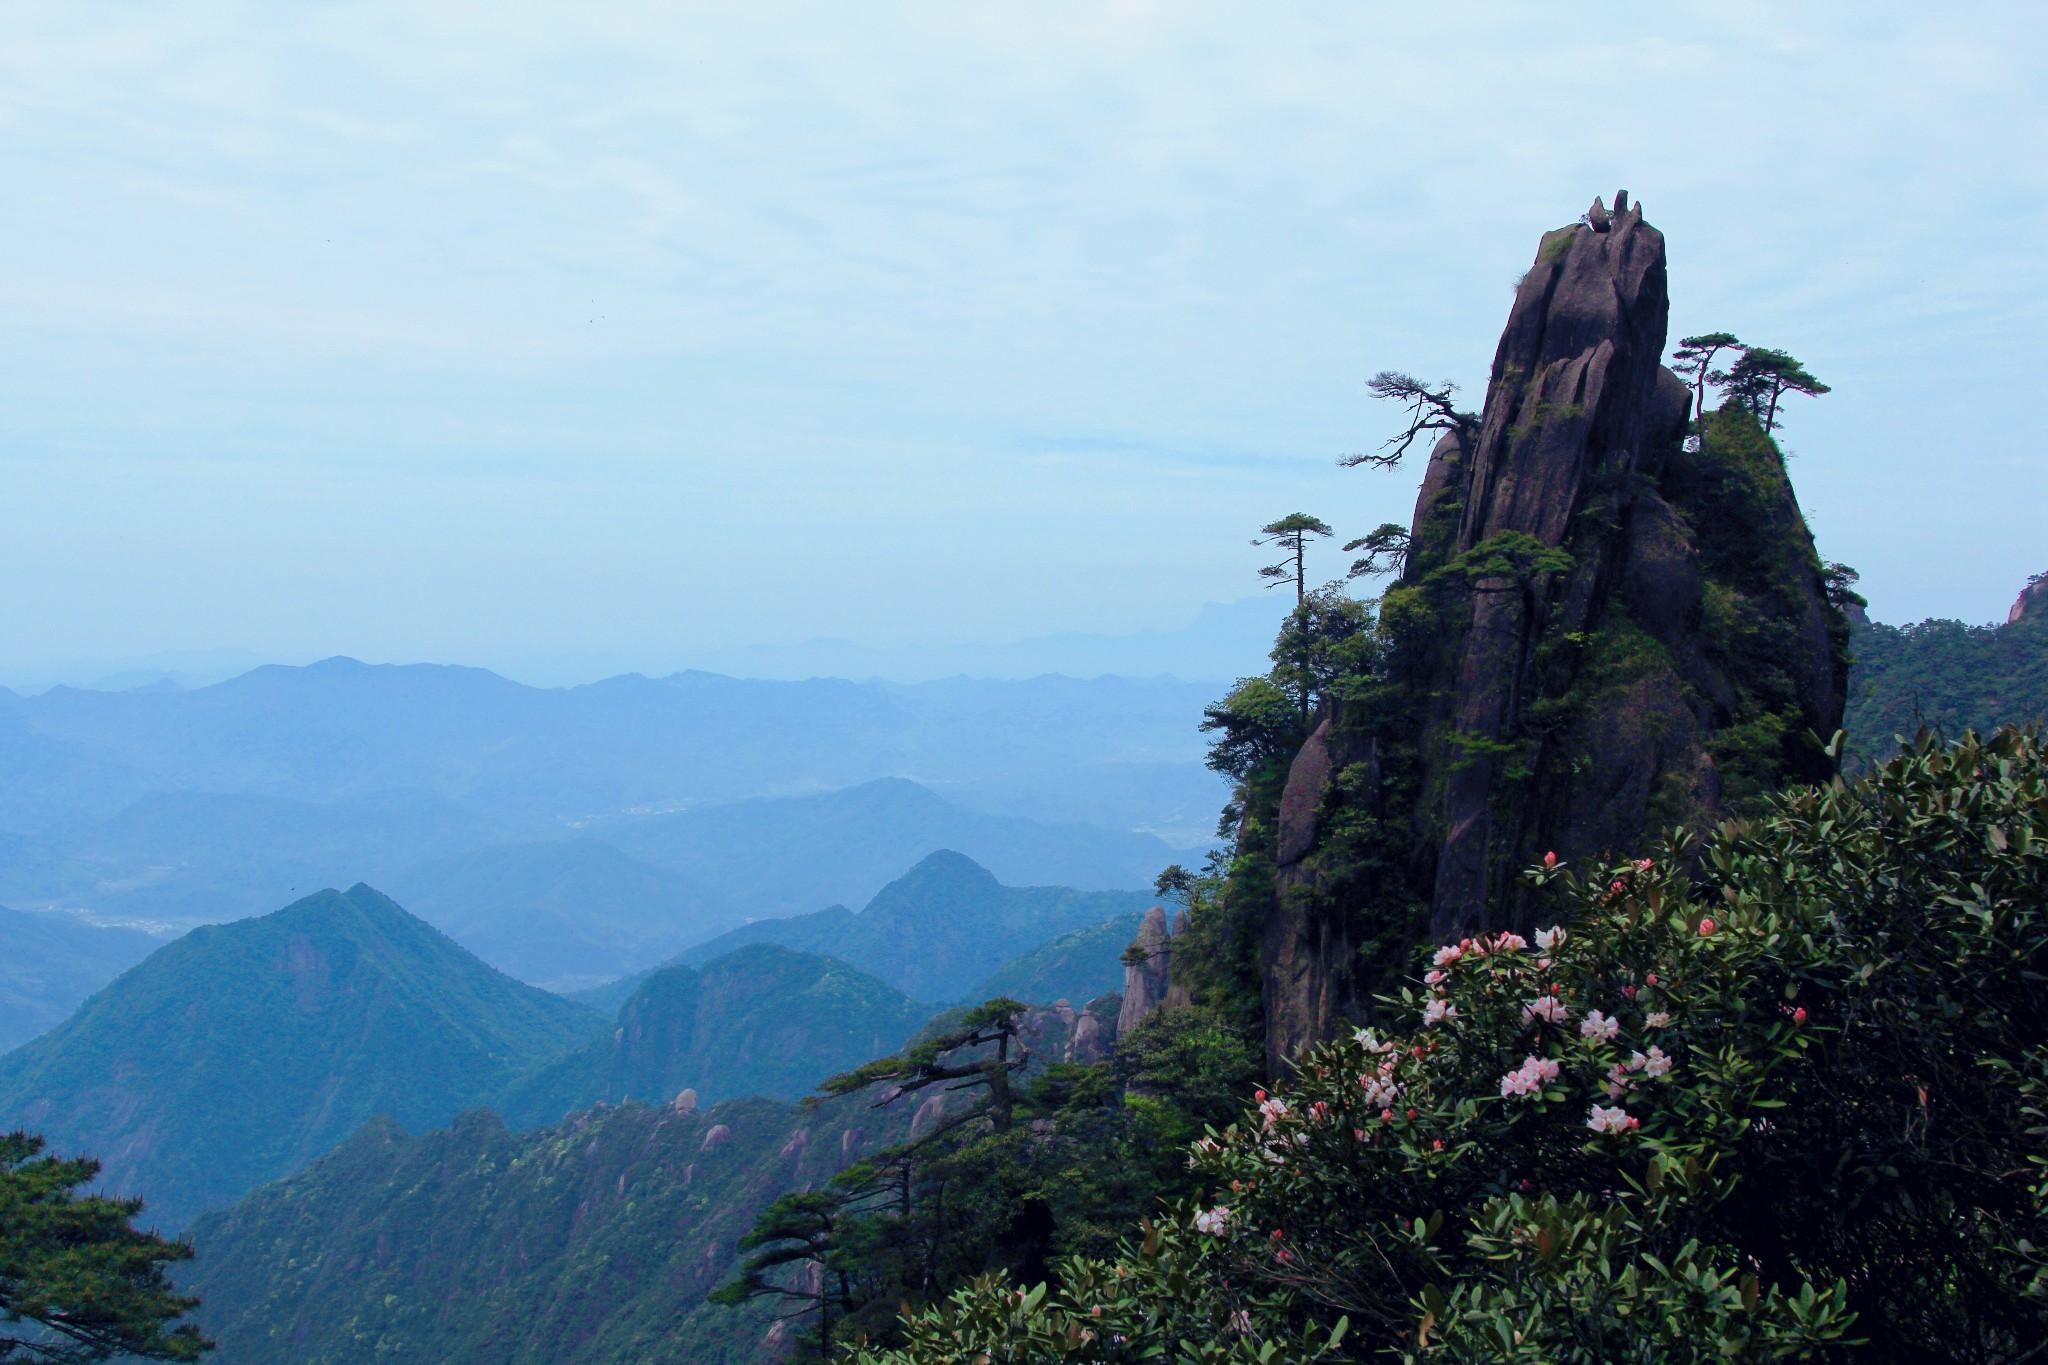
<point x="573" y="835"/>
<point x="542" y="758"/>
<point x="49" y="964"/>
<point x="939" y="929"/>
<point x="594" y="1240"/>
<point x="236" y="1054"/>
<point x="759" y="1021"/>
<point x="1213" y="647"/>
<point x="240" y="1052"/>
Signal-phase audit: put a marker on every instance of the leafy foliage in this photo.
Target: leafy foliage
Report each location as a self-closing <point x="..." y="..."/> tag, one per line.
<point x="77" y="1282"/>
<point x="1776" y="1093"/>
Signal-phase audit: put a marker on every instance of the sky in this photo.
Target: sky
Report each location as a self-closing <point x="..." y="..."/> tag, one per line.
<point x="486" y="332"/>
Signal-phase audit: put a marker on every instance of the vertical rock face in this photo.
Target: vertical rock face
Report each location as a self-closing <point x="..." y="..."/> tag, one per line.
<point x="1146" y="971"/>
<point x="1599" y="633"/>
<point x="2032" y="601"/>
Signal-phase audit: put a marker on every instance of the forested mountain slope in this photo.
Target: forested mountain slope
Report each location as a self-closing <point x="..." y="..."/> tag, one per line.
<point x="239" y="1052"/>
<point x="761" y="1020"/>
<point x="1945" y="675"/>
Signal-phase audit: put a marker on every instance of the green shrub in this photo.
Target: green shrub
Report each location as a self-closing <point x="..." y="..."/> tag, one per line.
<point x="1777" y="1093"/>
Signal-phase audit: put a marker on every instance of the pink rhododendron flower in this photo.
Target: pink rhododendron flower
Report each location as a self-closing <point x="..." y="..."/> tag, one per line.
<point x="1213" y="1221"/>
<point x="1528" y="1078"/>
<point x="1606" y="1119"/>
<point x="1511" y="942"/>
<point x="1658" y="1019"/>
<point x="1545" y="1007"/>
<point x="1439" y="1011"/>
<point x="1599" y="1027"/>
<point x="1431" y="977"/>
<point x="1446" y="955"/>
<point x="1546" y="939"/>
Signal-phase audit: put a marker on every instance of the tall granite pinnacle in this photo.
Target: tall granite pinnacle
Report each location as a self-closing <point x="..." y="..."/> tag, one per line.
<point x="1602" y="629"/>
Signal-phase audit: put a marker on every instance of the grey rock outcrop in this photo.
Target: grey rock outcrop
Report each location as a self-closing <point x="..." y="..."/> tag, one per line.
<point x="1147" y="971"/>
<point x="1095" y="1032"/>
<point x="2032" y="601"/>
<point x="1570" y="706"/>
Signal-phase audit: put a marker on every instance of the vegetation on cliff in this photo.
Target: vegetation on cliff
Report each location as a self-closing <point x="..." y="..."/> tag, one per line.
<point x="1773" y="1092"/>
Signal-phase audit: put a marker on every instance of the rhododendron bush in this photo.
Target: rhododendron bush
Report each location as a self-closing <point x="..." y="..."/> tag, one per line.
<point x="1780" y="1092"/>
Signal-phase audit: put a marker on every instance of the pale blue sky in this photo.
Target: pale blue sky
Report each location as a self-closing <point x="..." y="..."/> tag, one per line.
<point x="494" y="330"/>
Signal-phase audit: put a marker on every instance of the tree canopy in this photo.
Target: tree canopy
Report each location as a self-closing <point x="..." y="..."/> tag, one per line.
<point x="1291" y="534"/>
<point x="77" y="1281"/>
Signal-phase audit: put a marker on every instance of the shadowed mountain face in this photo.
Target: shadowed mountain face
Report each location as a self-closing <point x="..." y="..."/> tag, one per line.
<point x="239" y="1052"/>
<point x="761" y="1020"/>
<point x="49" y="964"/>
<point x="939" y="929"/>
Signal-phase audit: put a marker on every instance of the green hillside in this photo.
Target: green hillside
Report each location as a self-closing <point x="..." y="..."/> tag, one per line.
<point x="1945" y="675"/>
<point x="594" y="1241"/>
<point x="937" y="931"/>
<point x="241" y="1051"/>
<point x="1075" y="967"/>
<point x="762" y="1020"/>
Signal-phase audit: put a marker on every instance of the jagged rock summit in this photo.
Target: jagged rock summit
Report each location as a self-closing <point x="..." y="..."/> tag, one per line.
<point x="1597" y="633"/>
<point x="2032" y="601"/>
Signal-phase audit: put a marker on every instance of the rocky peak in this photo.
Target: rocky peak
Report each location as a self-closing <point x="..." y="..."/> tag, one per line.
<point x="1147" y="968"/>
<point x="1600" y="631"/>
<point x="2032" y="602"/>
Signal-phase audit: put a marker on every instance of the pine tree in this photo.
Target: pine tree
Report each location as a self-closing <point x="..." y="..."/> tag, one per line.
<point x="77" y="1281"/>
